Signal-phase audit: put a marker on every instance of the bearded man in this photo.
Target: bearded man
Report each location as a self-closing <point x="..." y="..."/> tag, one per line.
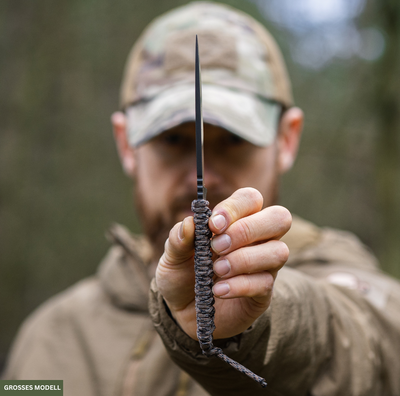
<point x="331" y="325"/>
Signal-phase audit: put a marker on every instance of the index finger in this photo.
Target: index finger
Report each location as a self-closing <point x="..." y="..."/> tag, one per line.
<point x="243" y="202"/>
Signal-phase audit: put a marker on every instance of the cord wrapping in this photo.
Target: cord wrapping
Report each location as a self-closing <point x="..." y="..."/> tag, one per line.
<point x="204" y="298"/>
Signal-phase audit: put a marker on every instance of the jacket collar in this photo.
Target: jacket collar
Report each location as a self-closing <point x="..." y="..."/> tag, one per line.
<point x="123" y="272"/>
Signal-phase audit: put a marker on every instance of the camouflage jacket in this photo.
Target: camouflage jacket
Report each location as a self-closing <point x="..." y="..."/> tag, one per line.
<point x="333" y="328"/>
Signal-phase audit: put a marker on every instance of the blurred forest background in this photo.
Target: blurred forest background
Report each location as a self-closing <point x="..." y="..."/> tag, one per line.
<point x="61" y="184"/>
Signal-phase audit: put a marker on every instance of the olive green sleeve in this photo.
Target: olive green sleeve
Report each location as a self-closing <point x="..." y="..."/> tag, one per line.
<point x="315" y="338"/>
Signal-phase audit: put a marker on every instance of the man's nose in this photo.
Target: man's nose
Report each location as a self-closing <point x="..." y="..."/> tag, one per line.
<point x="211" y="177"/>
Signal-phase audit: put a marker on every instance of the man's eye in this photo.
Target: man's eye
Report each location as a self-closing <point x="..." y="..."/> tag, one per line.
<point x="234" y="140"/>
<point x="173" y="139"/>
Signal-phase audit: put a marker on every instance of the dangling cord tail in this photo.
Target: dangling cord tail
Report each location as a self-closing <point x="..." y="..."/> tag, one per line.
<point x="203" y="267"/>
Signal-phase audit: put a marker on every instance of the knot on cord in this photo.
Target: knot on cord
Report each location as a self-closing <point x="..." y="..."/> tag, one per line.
<point x="204" y="298"/>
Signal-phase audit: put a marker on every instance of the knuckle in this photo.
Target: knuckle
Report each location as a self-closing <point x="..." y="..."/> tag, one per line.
<point x="246" y="286"/>
<point x="282" y="216"/>
<point x="268" y="283"/>
<point x="253" y="195"/>
<point x="281" y="252"/>
<point x="260" y="285"/>
<point x="242" y="202"/>
<point x="243" y="261"/>
<point x="243" y="231"/>
<point x="255" y="285"/>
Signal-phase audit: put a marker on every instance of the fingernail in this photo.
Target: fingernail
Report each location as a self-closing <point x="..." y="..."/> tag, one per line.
<point x="222" y="267"/>
<point x="218" y="221"/>
<point x="181" y="233"/>
<point x="221" y="243"/>
<point x="221" y="288"/>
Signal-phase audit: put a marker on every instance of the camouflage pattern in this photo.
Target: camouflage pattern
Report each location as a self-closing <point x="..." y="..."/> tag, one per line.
<point x="237" y="112"/>
<point x="243" y="74"/>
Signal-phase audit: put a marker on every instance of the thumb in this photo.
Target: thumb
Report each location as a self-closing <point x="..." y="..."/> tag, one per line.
<point x="180" y="244"/>
<point x="175" y="271"/>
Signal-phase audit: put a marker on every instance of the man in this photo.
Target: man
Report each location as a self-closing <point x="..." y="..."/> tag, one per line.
<point x="331" y="325"/>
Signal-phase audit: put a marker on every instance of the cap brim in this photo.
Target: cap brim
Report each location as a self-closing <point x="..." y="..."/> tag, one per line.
<point x="241" y="113"/>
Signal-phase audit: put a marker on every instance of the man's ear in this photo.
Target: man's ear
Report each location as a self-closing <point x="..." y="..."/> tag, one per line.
<point x="289" y="134"/>
<point x="125" y="151"/>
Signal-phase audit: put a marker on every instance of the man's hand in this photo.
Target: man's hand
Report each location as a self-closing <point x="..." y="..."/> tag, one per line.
<point x="248" y="257"/>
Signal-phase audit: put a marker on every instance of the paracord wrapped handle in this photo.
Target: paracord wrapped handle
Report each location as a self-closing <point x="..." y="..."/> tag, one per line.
<point x="204" y="298"/>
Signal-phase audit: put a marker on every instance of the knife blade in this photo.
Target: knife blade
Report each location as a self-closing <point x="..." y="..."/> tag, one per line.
<point x="201" y="189"/>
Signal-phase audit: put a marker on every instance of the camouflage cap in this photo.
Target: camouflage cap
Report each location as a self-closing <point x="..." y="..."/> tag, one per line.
<point x="245" y="82"/>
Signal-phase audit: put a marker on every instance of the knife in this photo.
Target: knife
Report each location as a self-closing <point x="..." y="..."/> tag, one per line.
<point x="203" y="264"/>
<point x="201" y="189"/>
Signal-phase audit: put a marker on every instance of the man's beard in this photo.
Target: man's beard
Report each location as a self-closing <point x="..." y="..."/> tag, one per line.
<point x="157" y="225"/>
